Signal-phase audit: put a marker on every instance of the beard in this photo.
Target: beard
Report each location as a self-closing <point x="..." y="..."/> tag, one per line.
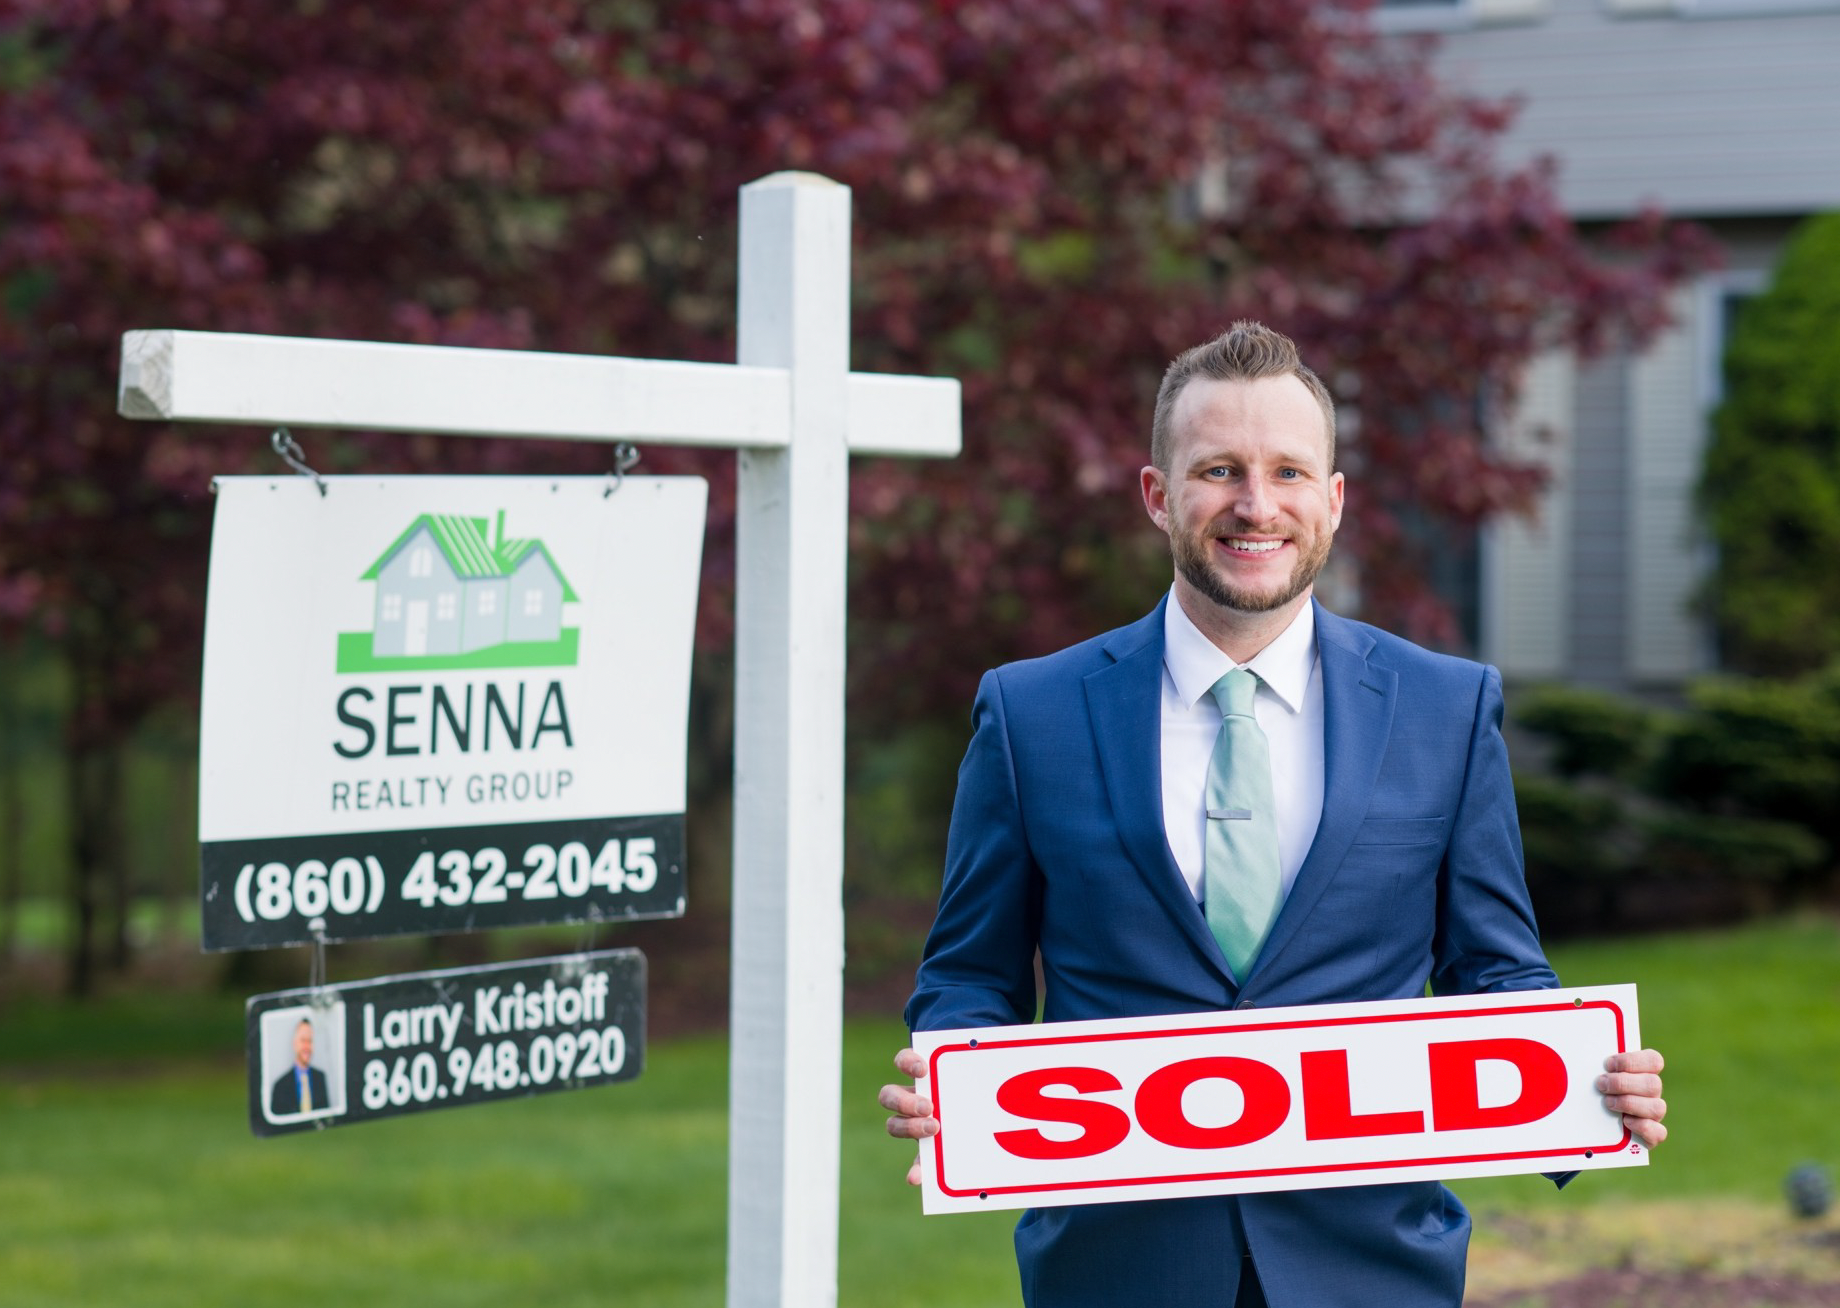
<point x="1194" y="559"/>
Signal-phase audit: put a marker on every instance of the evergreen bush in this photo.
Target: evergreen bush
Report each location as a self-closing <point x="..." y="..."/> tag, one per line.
<point x="1771" y="484"/>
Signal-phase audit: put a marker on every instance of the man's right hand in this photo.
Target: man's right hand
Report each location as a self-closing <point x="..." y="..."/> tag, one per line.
<point x="913" y="1112"/>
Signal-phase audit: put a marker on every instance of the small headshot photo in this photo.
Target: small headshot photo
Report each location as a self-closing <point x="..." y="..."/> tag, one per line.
<point x="303" y="1062"/>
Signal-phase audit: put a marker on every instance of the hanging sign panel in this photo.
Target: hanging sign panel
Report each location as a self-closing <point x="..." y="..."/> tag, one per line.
<point x="336" y="1055"/>
<point x="1275" y="1099"/>
<point x="444" y="703"/>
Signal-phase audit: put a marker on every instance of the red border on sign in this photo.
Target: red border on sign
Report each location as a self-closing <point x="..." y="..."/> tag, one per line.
<point x="1237" y="1028"/>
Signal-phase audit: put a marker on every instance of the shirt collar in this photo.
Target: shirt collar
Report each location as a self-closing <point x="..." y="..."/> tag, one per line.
<point x="1195" y="663"/>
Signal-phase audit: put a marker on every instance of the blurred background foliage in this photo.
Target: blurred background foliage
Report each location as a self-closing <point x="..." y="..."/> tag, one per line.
<point x="1715" y="811"/>
<point x="1051" y="201"/>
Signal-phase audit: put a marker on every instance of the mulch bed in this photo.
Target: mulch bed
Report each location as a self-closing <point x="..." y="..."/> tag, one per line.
<point x="1644" y="1289"/>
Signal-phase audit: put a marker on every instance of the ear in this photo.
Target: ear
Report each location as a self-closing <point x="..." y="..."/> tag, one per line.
<point x="1336" y="483"/>
<point x="1155" y="487"/>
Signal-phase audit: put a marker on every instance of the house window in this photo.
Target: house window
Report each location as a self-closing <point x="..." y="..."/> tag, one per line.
<point x="392" y="608"/>
<point x="1722" y="298"/>
<point x="533" y="603"/>
<point x="488" y="603"/>
<point x="445" y="606"/>
<point x="421" y="561"/>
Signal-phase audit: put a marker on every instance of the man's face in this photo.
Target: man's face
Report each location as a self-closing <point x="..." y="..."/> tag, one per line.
<point x="1248" y="500"/>
<point x="303" y="1044"/>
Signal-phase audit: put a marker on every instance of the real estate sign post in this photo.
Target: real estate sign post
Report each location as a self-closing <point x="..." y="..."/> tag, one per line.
<point x="795" y="412"/>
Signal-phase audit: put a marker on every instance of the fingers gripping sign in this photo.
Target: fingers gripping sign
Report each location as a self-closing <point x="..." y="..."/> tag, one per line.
<point x="1631" y="1086"/>
<point x="913" y="1112"/>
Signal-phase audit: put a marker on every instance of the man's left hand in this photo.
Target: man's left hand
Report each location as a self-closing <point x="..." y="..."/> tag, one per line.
<point x="1631" y="1085"/>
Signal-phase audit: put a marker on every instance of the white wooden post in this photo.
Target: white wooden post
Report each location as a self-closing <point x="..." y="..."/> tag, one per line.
<point x="792" y="518"/>
<point x="796" y="412"/>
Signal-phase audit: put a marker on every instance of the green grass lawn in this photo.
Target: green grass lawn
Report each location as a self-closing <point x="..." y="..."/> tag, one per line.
<point x="127" y="1174"/>
<point x="125" y="1167"/>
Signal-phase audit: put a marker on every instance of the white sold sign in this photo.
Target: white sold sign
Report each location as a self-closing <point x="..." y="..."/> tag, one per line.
<point x="1275" y="1099"/>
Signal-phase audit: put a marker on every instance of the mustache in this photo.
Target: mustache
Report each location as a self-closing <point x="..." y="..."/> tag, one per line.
<point x="1243" y="527"/>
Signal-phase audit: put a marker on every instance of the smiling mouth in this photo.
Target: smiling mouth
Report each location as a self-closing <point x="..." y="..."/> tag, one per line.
<point x="1238" y="545"/>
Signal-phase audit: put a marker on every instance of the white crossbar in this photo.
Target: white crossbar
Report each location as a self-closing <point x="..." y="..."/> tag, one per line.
<point x="305" y="382"/>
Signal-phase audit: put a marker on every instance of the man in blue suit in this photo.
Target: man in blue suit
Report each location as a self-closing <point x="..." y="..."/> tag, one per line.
<point x="302" y="1088"/>
<point x="1388" y="858"/>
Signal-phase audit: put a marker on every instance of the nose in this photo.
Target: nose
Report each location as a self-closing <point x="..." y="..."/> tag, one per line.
<point x="1254" y="502"/>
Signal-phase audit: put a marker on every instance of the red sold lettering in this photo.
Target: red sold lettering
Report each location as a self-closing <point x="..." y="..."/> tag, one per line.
<point x="1102" y="1125"/>
<point x="1455" y="1094"/>
<point x="1327" y="1111"/>
<point x="1159" y="1102"/>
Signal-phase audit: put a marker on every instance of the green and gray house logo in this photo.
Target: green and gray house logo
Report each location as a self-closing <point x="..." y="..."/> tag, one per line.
<point x="450" y="597"/>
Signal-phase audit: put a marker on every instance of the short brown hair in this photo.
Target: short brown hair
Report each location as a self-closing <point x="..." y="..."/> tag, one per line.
<point x="1246" y="351"/>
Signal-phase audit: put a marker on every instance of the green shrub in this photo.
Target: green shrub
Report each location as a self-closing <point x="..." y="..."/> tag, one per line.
<point x="1592" y="733"/>
<point x="1771" y="484"/>
<point x="1567" y="832"/>
<point x="1768" y="749"/>
<point x="1732" y="848"/>
<point x="1727" y="808"/>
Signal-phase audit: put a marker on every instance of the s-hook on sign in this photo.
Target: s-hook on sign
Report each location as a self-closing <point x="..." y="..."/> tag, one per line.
<point x="1275" y="1099"/>
<point x="444" y="703"/>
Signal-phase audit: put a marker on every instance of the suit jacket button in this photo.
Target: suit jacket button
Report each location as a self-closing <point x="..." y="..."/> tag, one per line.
<point x="1245" y="1003"/>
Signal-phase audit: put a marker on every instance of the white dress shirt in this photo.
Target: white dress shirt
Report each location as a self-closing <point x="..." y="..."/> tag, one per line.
<point x="1289" y="710"/>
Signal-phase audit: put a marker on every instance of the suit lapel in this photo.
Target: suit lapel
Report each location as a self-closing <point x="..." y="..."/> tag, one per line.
<point x="1121" y="699"/>
<point x="1358" y="700"/>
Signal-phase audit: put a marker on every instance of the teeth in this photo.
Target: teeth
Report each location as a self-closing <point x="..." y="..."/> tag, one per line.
<point x="1255" y="546"/>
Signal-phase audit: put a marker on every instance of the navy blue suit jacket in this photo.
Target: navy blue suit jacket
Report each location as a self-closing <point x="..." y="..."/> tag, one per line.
<point x="284" y="1095"/>
<point x="1415" y="876"/>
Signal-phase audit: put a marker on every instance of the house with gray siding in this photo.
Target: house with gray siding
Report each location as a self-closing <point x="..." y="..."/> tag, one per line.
<point x="443" y="587"/>
<point x="1726" y="112"/>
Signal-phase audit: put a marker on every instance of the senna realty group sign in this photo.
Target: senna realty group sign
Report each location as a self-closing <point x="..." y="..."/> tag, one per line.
<point x="1275" y="1099"/>
<point x="444" y="703"/>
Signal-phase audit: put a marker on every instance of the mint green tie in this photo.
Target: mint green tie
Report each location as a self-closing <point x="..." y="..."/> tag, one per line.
<point x="1243" y="881"/>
